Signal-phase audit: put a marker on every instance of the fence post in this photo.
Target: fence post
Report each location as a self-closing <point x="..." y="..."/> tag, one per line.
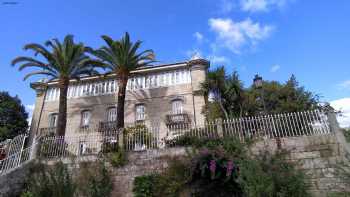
<point x="220" y="130"/>
<point x="121" y="138"/>
<point x="334" y="127"/>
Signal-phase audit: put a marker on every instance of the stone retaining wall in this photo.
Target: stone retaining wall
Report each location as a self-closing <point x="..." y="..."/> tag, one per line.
<point x="318" y="156"/>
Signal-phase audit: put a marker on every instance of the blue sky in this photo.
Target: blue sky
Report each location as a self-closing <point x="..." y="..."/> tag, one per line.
<point x="275" y="38"/>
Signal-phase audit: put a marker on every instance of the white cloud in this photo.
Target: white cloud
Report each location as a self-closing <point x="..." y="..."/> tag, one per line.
<point x="215" y="59"/>
<point x="234" y="35"/>
<point x="30" y="109"/>
<point x="275" y="68"/>
<point x="261" y="5"/>
<point x="342" y="105"/>
<point x="344" y="84"/>
<point x="226" y="6"/>
<point x="199" y="37"/>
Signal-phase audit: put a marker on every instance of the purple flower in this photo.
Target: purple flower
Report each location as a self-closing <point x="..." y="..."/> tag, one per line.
<point x="212" y="168"/>
<point x="229" y="168"/>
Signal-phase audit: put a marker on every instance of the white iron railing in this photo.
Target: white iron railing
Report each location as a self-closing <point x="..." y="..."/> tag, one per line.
<point x="141" y="138"/>
<point x="107" y="138"/>
<point x="268" y="126"/>
<point x="78" y="144"/>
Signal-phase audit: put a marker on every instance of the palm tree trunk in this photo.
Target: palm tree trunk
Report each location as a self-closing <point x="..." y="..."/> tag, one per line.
<point x="223" y="109"/>
<point x="62" y="107"/>
<point x="121" y="101"/>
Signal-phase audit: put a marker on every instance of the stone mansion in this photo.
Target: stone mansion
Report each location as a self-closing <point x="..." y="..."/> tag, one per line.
<point x="159" y="96"/>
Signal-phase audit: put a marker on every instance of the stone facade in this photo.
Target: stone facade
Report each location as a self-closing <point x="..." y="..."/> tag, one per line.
<point x="184" y="81"/>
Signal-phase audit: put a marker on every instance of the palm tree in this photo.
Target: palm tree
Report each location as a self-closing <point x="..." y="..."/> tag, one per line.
<point x="121" y="57"/>
<point x="61" y="62"/>
<point x="214" y="87"/>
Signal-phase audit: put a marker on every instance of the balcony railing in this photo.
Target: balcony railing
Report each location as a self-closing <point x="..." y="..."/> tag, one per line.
<point x="48" y="131"/>
<point x="177" y="119"/>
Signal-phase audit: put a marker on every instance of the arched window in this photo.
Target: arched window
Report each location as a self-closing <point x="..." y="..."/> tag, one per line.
<point x="177" y="106"/>
<point x="140" y="112"/>
<point x="112" y="114"/>
<point x="53" y="120"/>
<point x="85" y="118"/>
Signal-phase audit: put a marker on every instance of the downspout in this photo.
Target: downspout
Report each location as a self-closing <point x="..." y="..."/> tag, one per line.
<point x="194" y="108"/>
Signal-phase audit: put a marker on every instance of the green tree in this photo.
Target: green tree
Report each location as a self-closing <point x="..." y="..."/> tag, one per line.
<point x="225" y="92"/>
<point x="213" y="88"/>
<point x="13" y="117"/>
<point x="121" y="57"/>
<point x="61" y="62"/>
<point x="280" y="98"/>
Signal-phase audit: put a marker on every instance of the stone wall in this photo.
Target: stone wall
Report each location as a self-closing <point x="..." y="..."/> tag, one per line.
<point x="318" y="156"/>
<point x="12" y="183"/>
<point x="139" y="164"/>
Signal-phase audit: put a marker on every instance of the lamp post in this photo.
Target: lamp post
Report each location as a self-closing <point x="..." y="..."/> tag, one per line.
<point x="258" y="84"/>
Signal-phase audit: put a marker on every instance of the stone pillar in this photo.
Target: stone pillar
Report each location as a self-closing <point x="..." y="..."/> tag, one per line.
<point x="121" y="138"/>
<point x="40" y="89"/>
<point x="219" y="127"/>
<point x="198" y="68"/>
<point x="335" y="129"/>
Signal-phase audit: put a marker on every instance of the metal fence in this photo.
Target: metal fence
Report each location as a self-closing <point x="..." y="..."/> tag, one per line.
<point x="106" y="138"/>
<point x="267" y="126"/>
<point x="78" y="144"/>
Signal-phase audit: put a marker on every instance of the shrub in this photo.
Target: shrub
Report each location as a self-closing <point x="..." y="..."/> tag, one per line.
<point x="272" y="175"/>
<point x="118" y="158"/>
<point x="224" y="168"/>
<point x="54" y="181"/>
<point x="347" y="134"/>
<point x="145" y="186"/>
<point x="93" y="180"/>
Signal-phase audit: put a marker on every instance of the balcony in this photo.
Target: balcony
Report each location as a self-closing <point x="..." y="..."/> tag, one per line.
<point x="172" y="119"/>
<point x="107" y="126"/>
<point x="48" y="131"/>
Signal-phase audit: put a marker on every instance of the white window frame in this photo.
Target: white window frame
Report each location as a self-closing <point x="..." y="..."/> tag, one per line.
<point x="53" y="119"/>
<point x="177" y="106"/>
<point x="85" y="118"/>
<point x="140" y="112"/>
<point x="112" y="114"/>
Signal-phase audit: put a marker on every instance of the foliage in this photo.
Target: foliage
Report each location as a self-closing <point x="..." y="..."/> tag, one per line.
<point x="347" y="134"/>
<point x="169" y="184"/>
<point x="275" y="97"/>
<point x="94" y="180"/>
<point x="226" y="168"/>
<point x="91" y="180"/>
<point x="52" y="181"/>
<point x="118" y="157"/>
<point x="140" y="135"/>
<point x="60" y="61"/>
<point x="272" y="175"/>
<point x="228" y="98"/>
<point x="144" y="186"/>
<point x="121" y="57"/>
<point x="13" y="117"/>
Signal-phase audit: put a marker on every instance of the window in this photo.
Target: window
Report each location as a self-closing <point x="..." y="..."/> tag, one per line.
<point x="140" y="112"/>
<point x="112" y="114"/>
<point x="85" y="118"/>
<point x="177" y="107"/>
<point x="53" y="120"/>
